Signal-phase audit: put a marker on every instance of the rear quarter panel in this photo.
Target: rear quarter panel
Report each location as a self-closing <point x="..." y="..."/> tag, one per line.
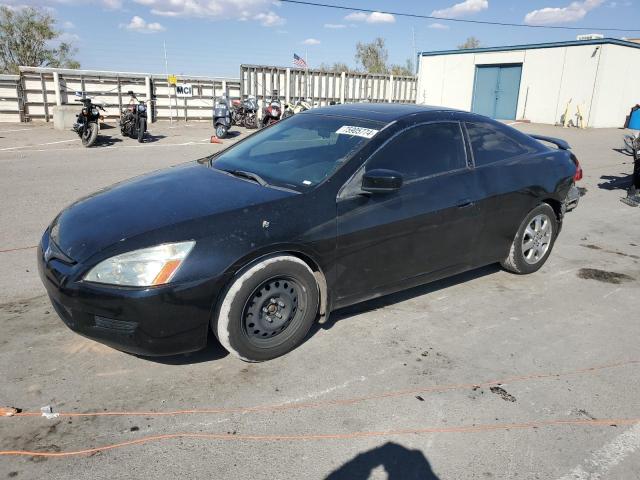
<point x="511" y="188"/>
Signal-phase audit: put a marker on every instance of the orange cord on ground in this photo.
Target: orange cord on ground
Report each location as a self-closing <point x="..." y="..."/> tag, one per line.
<point x="339" y="402"/>
<point x="336" y="436"/>
<point x="17" y="249"/>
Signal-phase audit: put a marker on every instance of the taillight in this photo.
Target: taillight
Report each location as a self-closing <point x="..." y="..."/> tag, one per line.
<point x="578" y="175"/>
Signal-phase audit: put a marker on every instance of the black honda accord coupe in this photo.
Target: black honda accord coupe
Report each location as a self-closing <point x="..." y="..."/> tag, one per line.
<point x="322" y="210"/>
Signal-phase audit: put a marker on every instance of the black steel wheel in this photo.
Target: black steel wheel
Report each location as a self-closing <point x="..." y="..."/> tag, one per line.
<point x="268" y="308"/>
<point x="272" y="308"/>
<point x="90" y="134"/>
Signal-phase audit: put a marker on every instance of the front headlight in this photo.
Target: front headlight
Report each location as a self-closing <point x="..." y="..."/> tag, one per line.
<point x="142" y="268"/>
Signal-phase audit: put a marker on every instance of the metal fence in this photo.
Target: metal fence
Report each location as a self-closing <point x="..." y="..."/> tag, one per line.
<point x="32" y="95"/>
<point x="321" y="87"/>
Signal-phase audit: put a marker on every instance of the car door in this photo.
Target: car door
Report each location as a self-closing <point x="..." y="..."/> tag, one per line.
<point x="424" y="229"/>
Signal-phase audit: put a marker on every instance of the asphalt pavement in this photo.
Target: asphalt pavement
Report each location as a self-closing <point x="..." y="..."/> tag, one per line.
<point x="486" y="375"/>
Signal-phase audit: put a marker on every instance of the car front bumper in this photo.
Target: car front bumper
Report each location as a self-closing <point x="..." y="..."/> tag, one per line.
<point x="165" y="320"/>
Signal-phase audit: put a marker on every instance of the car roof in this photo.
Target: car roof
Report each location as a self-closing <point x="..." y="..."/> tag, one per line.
<point x="381" y="112"/>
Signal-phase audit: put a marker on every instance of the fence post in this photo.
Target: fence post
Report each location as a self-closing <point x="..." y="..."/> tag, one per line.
<point x="56" y="86"/>
<point x="224" y="88"/>
<point x="343" y="76"/>
<point x="287" y="95"/>
<point x="391" y="88"/>
<point x="44" y="97"/>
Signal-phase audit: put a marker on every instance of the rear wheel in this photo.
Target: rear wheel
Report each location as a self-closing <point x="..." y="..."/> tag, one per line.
<point x="89" y="135"/>
<point x="533" y="242"/>
<point x="268" y="309"/>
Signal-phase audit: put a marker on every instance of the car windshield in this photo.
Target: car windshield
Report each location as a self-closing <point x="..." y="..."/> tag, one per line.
<point x="298" y="152"/>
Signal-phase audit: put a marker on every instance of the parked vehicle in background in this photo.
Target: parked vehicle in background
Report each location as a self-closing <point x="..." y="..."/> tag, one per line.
<point x="221" y="116"/>
<point x="133" y="120"/>
<point x="272" y="112"/>
<point x="298" y="107"/>
<point x="332" y="207"/>
<point x="87" y="123"/>
<point x="244" y="113"/>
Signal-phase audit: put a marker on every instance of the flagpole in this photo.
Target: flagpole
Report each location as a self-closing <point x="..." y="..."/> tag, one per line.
<point x="306" y="61"/>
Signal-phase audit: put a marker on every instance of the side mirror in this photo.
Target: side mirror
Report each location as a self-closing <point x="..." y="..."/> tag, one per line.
<point x="381" y="181"/>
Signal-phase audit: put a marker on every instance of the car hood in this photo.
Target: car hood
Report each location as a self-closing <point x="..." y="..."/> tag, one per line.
<point x="151" y="202"/>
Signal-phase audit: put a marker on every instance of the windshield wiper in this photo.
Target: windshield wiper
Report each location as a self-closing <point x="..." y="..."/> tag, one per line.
<point x="250" y="175"/>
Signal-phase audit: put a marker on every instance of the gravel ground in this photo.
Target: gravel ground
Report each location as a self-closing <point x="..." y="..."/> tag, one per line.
<point x="485" y="375"/>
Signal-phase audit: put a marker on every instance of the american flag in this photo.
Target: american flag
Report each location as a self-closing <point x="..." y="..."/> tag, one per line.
<point x="299" y="61"/>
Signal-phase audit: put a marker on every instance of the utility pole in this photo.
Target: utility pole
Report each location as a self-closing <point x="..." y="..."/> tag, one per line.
<point x="166" y="71"/>
<point x="415" y="52"/>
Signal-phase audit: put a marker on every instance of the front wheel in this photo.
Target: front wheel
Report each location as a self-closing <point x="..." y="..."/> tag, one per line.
<point x="267" y="309"/>
<point x="287" y="113"/>
<point x="89" y="135"/>
<point x="142" y="127"/>
<point x="250" y="121"/>
<point x="533" y="241"/>
<point x="221" y="131"/>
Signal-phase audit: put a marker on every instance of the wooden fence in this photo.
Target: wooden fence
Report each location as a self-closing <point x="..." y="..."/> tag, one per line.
<point x="32" y="95"/>
<point x="321" y="87"/>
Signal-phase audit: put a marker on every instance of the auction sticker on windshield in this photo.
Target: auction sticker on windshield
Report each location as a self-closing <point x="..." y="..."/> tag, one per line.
<point x="357" y="131"/>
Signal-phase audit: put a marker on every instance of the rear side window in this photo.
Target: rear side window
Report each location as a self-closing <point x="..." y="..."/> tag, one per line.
<point x="423" y="151"/>
<point x="492" y="145"/>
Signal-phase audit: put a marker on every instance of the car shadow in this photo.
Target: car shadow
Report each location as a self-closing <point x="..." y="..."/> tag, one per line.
<point x="213" y="351"/>
<point x="612" y="182"/>
<point x="399" y="462"/>
<point x="405" y="295"/>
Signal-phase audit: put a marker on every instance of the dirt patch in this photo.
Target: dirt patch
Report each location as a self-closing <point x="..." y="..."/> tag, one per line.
<point x="604" y="276"/>
<point x="506" y="396"/>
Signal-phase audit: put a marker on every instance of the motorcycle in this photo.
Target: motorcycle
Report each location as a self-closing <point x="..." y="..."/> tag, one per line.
<point x="298" y="107"/>
<point x="272" y="112"/>
<point x="632" y="146"/>
<point x="133" y="120"/>
<point x="88" y="120"/>
<point x="221" y="116"/>
<point x="244" y="112"/>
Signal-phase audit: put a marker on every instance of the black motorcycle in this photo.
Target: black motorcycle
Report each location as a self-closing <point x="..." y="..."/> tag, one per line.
<point x="133" y="121"/>
<point x="244" y="113"/>
<point x="88" y="120"/>
<point x="221" y="116"/>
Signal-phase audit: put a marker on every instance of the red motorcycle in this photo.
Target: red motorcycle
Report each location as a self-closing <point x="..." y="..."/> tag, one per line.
<point x="271" y="113"/>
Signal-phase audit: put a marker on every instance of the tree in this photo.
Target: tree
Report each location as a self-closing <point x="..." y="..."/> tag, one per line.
<point x="471" y="42"/>
<point x="337" y="67"/>
<point x="372" y="56"/>
<point x="406" y="69"/>
<point x="27" y="38"/>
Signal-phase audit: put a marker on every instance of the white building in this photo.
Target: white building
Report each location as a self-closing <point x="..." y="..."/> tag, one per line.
<point x="600" y="78"/>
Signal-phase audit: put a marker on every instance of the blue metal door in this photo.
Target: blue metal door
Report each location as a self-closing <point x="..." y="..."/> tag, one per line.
<point x="495" y="91"/>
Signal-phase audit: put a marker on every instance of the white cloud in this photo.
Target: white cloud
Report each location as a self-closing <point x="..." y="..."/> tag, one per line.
<point x="572" y="13"/>
<point x="269" y="19"/>
<point x="468" y="7"/>
<point x="68" y="25"/>
<point x="439" y="26"/>
<point x="139" y="24"/>
<point x="112" y="4"/>
<point x="311" y="41"/>
<point x="335" y="26"/>
<point x="66" y="37"/>
<point x="258" y="10"/>
<point x="373" y="17"/>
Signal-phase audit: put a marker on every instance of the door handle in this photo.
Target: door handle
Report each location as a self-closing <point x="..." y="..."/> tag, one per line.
<point x="466" y="203"/>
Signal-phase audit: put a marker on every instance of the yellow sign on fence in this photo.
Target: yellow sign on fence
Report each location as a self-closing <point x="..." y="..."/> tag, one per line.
<point x="172" y="79"/>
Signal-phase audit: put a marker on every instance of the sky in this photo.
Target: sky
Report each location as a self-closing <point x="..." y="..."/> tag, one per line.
<point x="213" y="37"/>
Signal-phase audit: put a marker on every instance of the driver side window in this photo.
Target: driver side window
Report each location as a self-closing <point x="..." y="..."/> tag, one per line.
<point x="422" y="151"/>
